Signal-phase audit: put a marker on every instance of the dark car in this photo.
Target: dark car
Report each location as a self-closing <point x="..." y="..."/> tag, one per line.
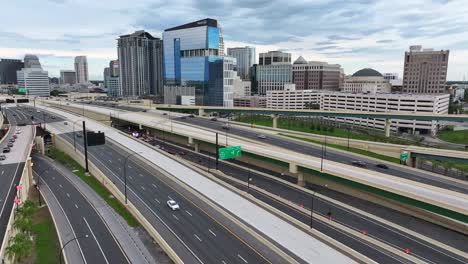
<point x="382" y="166"/>
<point x="6" y="149"/>
<point x="213" y="119"/>
<point x="144" y="111"/>
<point x="170" y="151"/>
<point x="358" y="163"/>
<point x="191" y="115"/>
<point x="182" y="153"/>
<point x="183" y="117"/>
<point x="10" y="144"/>
<point x="225" y="127"/>
<point x="164" y="113"/>
<point x="11" y="140"/>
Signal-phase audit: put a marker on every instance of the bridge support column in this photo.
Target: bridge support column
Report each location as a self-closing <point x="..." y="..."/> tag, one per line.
<point x="201" y="112"/>
<point x="140" y="126"/>
<point x="388" y="124"/>
<point x="292" y="167"/>
<point x="196" y="147"/>
<point x="300" y="179"/>
<point x="275" y="121"/>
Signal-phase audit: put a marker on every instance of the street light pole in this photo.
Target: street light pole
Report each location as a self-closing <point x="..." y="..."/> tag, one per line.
<point x="74" y="136"/>
<point x="125" y="173"/>
<point x="348" y="138"/>
<point x="73" y="239"/>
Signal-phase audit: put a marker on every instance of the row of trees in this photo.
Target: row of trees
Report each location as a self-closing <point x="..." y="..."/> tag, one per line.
<point x="21" y="244"/>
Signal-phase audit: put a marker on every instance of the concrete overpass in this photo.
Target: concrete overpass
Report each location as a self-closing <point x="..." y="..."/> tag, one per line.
<point x="434" y="154"/>
<point x="388" y="116"/>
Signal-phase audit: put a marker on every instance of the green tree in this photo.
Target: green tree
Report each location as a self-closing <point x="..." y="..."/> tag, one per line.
<point x="24" y="224"/>
<point x="20" y="246"/>
<point x="28" y="209"/>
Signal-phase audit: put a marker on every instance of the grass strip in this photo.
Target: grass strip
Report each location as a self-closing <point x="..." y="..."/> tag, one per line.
<point x="458" y="137"/>
<point x="354" y="150"/>
<point x="46" y="240"/>
<point x="79" y="171"/>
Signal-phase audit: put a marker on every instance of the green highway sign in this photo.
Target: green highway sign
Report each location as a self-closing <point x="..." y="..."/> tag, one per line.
<point x="404" y="156"/>
<point x="22" y="90"/>
<point x="230" y="152"/>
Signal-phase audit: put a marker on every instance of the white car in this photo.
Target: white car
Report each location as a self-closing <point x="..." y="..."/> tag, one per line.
<point x="18" y="132"/>
<point x="173" y="205"/>
<point x="261" y="136"/>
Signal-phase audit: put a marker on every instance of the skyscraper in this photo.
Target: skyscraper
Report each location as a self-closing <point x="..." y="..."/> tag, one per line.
<point x="8" y="68"/>
<point x="425" y="70"/>
<point x="245" y="57"/>
<point x="81" y="69"/>
<point x="33" y="78"/>
<point x="193" y="57"/>
<point x="114" y="68"/>
<point x="315" y="75"/>
<point x="140" y="62"/>
<point x="273" y="71"/>
<point x="67" y="77"/>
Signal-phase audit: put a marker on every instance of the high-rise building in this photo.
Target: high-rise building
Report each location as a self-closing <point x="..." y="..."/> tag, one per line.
<point x="425" y="70"/>
<point x="241" y="88"/>
<point x="193" y="57"/>
<point x="31" y="61"/>
<point x="272" y="57"/>
<point x="114" y="68"/>
<point x="140" y="63"/>
<point x="245" y="57"/>
<point x="8" y="69"/>
<point x="315" y="75"/>
<point x="67" y="77"/>
<point x="33" y="78"/>
<point x="81" y="69"/>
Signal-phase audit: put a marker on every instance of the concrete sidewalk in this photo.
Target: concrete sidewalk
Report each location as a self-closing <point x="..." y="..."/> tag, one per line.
<point x="127" y="236"/>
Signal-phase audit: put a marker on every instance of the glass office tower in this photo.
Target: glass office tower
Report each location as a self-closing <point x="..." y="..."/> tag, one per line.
<point x="193" y="57"/>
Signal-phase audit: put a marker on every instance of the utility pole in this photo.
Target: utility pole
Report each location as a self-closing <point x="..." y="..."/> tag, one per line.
<point x="217" y="151"/>
<point x="85" y="143"/>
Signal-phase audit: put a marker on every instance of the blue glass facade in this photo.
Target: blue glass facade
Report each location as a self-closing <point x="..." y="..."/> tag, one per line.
<point x="190" y="59"/>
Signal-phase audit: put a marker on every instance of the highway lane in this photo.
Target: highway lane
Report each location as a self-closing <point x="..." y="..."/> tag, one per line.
<point x="313" y="150"/>
<point x="11" y="169"/>
<point x="100" y="246"/>
<point x="331" y="154"/>
<point x="193" y="226"/>
<point x="381" y="231"/>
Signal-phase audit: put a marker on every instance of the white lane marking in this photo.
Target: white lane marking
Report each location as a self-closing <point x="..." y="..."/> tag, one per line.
<point x="76" y="206"/>
<point x="110" y="161"/>
<point x="140" y="175"/>
<point x="242" y="258"/>
<point x="198" y="237"/>
<point x="99" y="245"/>
<point x="119" y="159"/>
<point x="3" y="172"/>
<point x="169" y="197"/>
<point x="131" y="178"/>
<point x="60" y="185"/>
<point x="157" y="200"/>
<point x="212" y="232"/>
<point x="188" y="213"/>
<point x="224" y="262"/>
<point x="175" y="217"/>
<point x="130" y="167"/>
<point x="154" y="185"/>
<point x="53" y="178"/>
<point x="143" y="188"/>
<point x="68" y="195"/>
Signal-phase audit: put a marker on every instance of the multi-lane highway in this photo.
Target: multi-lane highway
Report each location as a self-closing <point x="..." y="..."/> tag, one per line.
<point x="195" y="231"/>
<point x="398" y="238"/>
<point x="12" y="167"/>
<point x="97" y="243"/>
<point x="314" y="150"/>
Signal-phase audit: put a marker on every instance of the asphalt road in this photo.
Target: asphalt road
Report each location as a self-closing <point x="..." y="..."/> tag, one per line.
<point x="10" y="172"/>
<point x="195" y="233"/>
<point x="316" y="151"/>
<point x="331" y="154"/>
<point x="383" y="232"/>
<point x="100" y="245"/>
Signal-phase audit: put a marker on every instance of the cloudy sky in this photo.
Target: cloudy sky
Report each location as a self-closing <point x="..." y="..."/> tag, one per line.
<point x="353" y="33"/>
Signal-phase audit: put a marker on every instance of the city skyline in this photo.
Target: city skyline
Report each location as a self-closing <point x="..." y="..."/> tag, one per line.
<point x="356" y="34"/>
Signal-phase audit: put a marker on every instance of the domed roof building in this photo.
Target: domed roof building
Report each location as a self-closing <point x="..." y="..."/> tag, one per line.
<point x="367" y="72"/>
<point x="366" y="80"/>
<point x="300" y="60"/>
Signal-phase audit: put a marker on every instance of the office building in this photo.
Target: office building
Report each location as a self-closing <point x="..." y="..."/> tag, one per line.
<point x="8" y="69"/>
<point x="315" y="75"/>
<point x="81" y="69"/>
<point x="366" y="81"/>
<point x="250" y="101"/>
<point x="113" y="86"/>
<point x="272" y="57"/>
<point x="67" y="77"/>
<point x="179" y="95"/>
<point x="140" y="62"/>
<point x="193" y="57"/>
<point x="425" y="70"/>
<point x="114" y="68"/>
<point x="245" y="58"/>
<point x="253" y="80"/>
<point x="34" y="80"/>
<point x="241" y="87"/>
<point x="31" y="61"/>
<point x="409" y="103"/>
